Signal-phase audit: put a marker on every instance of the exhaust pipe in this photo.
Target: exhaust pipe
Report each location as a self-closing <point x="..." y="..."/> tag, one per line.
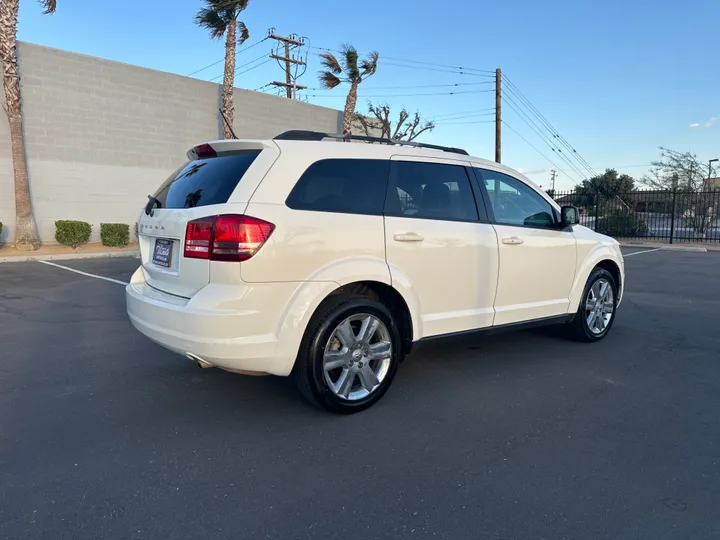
<point x="199" y="361"/>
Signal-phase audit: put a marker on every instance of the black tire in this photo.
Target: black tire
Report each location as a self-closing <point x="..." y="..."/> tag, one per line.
<point x="578" y="329"/>
<point x="308" y="370"/>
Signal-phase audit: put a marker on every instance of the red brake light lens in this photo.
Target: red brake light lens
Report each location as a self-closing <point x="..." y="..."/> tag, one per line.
<point x="226" y="238"/>
<point x="203" y="151"/>
<point x="237" y="238"/>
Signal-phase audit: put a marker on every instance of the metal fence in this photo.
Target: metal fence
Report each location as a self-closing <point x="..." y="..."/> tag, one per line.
<point x="670" y="216"/>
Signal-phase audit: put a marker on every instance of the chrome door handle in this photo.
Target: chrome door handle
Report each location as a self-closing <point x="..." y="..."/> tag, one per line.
<point x="408" y="237"/>
<point x="512" y="241"/>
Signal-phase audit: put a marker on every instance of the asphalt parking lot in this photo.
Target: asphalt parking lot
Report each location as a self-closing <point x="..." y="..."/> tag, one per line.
<point x="521" y="435"/>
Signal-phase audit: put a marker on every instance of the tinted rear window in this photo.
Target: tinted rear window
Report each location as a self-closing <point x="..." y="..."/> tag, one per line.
<point x="432" y="191"/>
<point x="350" y="186"/>
<point x="205" y="181"/>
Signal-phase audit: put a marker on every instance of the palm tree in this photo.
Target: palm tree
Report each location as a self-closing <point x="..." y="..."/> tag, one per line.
<point x="26" y="235"/>
<point x="348" y="69"/>
<point x="220" y="17"/>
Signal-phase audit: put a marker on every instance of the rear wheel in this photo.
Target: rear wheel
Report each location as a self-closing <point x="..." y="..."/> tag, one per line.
<point x="596" y="312"/>
<point x="349" y="355"/>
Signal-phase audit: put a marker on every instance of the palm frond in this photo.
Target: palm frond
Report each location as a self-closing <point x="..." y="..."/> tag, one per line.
<point x="331" y="63"/>
<point x="329" y="80"/>
<point x="243" y="33"/>
<point x="212" y="20"/>
<point x="233" y="7"/>
<point x="350" y="62"/>
<point x="49" y="6"/>
<point x="369" y="65"/>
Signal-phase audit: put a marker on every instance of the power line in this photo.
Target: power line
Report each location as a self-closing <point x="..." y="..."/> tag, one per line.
<point x="257" y="66"/>
<point x="409" y="95"/>
<point x="462" y="113"/>
<point x="535" y="148"/>
<point x="538" y="131"/>
<point x="491" y="71"/>
<point x="459" y="68"/>
<point x="455" y="71"/>
<point x="554" y="132"/>
<point x="525" y="118"/>
<point x="546" y="126"/>
<point x="420" y="86"/>
<point x="441" y="70"/>
<point x="463" y="123"/>
<point x="621" y="167"/>
<point x="223" y="59"/>
<point x="466" y="117"/>
<point x="240" y="67"/>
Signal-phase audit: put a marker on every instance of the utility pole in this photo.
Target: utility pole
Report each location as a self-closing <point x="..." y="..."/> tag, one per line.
<point x="287" y="45"/>
<point x="498" y="115"/>
<point x="553" y="174"/>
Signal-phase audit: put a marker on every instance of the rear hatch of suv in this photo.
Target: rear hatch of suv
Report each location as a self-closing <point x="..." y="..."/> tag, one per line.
<point x="177" y="228"/>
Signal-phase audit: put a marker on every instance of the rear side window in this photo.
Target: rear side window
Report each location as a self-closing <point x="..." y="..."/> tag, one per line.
<point x="349" y="186"/>
<point x="431" y="191"/>
<point x="205" y="181"/>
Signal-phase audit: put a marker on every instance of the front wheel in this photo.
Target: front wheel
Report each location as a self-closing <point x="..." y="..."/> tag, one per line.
<point x="349" y="355"/>
<point x="596" y="312"/>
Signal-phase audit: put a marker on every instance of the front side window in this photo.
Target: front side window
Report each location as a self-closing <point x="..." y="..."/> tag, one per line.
<point x="350" y="186"/>
<point x="431" y="191"/>
<point x="514" y="202"/>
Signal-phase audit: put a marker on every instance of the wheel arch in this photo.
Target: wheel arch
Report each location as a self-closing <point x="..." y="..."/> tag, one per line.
<point x="390" y="297"/>
<point x="311" y="296"/>
<point x="612" y="267"/>
<point x="601" y="257"/>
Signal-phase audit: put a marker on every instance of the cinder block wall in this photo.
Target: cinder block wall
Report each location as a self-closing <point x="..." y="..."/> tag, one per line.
<point x="102" y="135"/>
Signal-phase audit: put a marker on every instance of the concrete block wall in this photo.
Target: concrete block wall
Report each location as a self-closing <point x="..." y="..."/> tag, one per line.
<point x="102" y="135"/>
<point x="7" y="193"/>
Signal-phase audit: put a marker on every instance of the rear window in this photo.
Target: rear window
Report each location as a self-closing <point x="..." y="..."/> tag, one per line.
<point x="349" y="186"/>
<point x="205" y="181"/>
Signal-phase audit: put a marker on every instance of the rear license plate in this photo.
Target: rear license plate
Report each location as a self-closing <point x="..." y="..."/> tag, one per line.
<point x="162" y="256"/>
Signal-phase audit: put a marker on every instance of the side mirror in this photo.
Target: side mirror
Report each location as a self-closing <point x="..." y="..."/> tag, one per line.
<point x="569" y="216"/>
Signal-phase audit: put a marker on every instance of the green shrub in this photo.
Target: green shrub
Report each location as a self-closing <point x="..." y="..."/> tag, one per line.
<point x="115" y="234"/>
<point x="72" y="233"/>
<point x="622" y="224"/>
<point x="0" y="231"/>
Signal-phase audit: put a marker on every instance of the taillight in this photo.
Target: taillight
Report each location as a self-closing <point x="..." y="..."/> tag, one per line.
<point x="226" y="238"/>
<point x="198" y="238"/>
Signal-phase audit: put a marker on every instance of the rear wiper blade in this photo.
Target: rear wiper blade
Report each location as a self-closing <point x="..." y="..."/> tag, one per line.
<point x="150" y="206"/>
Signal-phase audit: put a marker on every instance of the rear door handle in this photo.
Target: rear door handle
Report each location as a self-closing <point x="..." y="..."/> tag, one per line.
<point x="512" y="240"/>
<point x="408" y="237"/>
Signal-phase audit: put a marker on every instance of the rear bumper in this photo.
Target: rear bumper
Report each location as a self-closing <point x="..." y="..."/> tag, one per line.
<point x="226" y="339"/>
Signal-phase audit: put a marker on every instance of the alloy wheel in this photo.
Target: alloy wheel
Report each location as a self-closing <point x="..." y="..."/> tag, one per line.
<point x="357" y="356"/>
<point x="599" y="306"/>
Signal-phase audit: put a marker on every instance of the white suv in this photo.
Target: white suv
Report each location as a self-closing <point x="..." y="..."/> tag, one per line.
<point x="328" y="259"/>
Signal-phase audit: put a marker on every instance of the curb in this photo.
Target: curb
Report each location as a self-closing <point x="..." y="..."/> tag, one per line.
<point x="685" y="248"/>
<point x="70" y="256"/>
<point x="672" y="247"/>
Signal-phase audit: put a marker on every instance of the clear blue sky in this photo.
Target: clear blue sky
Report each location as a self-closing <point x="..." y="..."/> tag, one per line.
<point x="617" y="79"/>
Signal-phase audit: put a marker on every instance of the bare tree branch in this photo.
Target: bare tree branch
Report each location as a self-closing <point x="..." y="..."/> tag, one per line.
<point x="681" y="170"/>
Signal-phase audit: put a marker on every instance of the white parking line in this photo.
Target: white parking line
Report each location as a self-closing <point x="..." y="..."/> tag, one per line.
<point x="84" y="273"/>
<point x="639" y="252"/>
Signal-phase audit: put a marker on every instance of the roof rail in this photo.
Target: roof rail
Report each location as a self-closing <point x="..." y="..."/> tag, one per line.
<point x="303" y="135"/>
